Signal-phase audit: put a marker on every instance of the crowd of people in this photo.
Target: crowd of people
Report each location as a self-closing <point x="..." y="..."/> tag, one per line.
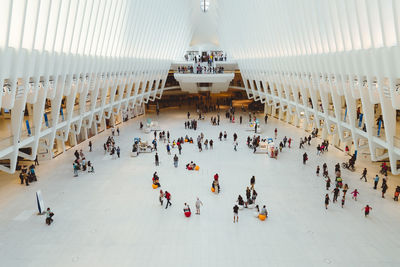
<point x="339" y="190"/>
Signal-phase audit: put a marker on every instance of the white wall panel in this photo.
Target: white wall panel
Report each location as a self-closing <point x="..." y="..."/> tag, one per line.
<point x="85" y="48"/>
<point x="343" y="50"/>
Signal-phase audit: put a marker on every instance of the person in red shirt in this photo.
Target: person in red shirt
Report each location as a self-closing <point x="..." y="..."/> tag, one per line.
<point x="367" y="209"/>
<point x="168" y="198"/>
<point x="216" y="177"/>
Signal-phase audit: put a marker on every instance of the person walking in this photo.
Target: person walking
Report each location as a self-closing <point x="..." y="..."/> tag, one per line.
<point x="276" y="133"/>
<point x="364" y="175"/>
<point x="90" y="146"/>
<point x="355" y="193"/>
<point x="118" y="131"/>
<point x="168" y="198"/>
<point x="318" y="169"/>
<point x="366" y="209"/>
<point x="176" y="161"/>
<point x="376" y="180"/>
<point x="235" y="213"/>
<point x="266" y="118"/>
<point x="343" y="200"/>
<point x="156" y="159"/>
<point x="289" y="141"/>
<point x="198" y="204"/>
<point x="326" y="201"/>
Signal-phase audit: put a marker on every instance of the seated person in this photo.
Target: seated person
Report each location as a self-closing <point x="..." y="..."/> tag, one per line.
<point x="156" y="179"/>
<point x="186" y="208"/>
<point x="156" y="182"/>
<point x="190" y="166"/>
<point x="264" y="211"/>
<point x="215" y="185"/>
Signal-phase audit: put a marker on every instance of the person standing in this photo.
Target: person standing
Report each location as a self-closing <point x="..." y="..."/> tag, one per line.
<point x="289" y="141"/>
<point x="376" y="180"/>
<point x="384" y="180"/>
<point x="318" y="169"/>
<point x="235" y="213"/>
<point x="266" y="118"/>
<point x="36" y="161"/>
<point x="180" y="148"/>
<point x="168" y="149"/>
<point x="326" y="201"/>
<point x="384" y="188"/>
<point x="343" y="200"/>
<point x="168" y="198"/>
<point x="160" y="198"/>
<point x="211" y="144"/>
<point x="335" y="194"/>
<point x="366" y="210"/>
<point x="118" y="152"/>
<point x="240" y="119"/>
<point x="328" y="183"/>
<point x="252" y="182"/>
<point x="276" y="133"/>
<point x="364" y="174"/>
<point x="345" y="188"/>
<point x="305" y="158"/>
<point x="90" y="146"/>
<point x="156" y="159"/>
<point x="118" y="131"/>
<point x="188" y="115"/>
<point x="198" y="204"/>
<point x="176" y="161"/>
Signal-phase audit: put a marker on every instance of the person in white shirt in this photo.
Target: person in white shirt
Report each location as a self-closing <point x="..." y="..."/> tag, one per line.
<point x="198" y="204"/>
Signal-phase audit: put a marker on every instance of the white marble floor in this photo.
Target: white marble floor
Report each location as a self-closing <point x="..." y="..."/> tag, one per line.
<point x="113" y="217"/>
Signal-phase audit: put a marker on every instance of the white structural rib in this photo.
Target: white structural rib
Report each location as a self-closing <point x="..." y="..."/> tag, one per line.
<point x="98" y="57"/>
<point x="318" y="61"/>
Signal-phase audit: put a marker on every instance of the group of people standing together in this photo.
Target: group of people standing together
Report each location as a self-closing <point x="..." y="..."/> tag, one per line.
<point x="251" y="196"/>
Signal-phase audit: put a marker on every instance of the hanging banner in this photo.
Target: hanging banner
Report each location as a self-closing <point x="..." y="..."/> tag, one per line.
<point x="28" y="128"/>
<point x="355" y="154"/>
<point x="345" y="114"/>
<point x="46" y="120"/>
<point x="360" y="120"/>
<point x="62" y="113"/>
<point x="40" y="202"/>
